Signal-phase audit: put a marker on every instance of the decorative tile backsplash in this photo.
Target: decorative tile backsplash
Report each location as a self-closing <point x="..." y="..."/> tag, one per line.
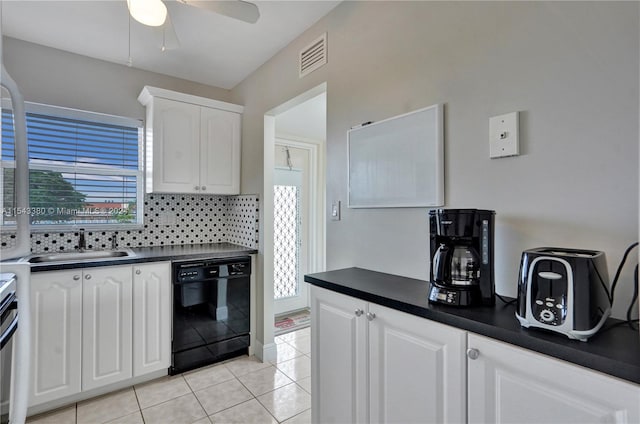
<point x="169" y="219"/>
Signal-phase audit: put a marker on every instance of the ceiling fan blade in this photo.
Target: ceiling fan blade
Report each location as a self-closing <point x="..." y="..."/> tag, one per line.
<point x="168" y="37"/>
<point x="237" y="9"/>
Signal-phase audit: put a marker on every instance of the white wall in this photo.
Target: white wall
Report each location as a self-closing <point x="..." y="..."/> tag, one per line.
<point x="59" y="78"/>
<point x="570" y="68"/>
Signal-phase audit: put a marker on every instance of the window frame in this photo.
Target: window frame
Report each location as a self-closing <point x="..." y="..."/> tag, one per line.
<point x="93" y="117"/>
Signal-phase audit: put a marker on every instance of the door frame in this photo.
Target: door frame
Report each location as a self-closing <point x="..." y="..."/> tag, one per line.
<point x="267" y="351"/>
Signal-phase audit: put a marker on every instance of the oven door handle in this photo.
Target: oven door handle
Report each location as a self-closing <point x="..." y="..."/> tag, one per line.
<point x="11" y="329"/>
<point x="7" y="303"/>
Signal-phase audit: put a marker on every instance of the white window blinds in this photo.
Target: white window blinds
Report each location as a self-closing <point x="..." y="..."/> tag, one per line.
<point x="85" y="169"/>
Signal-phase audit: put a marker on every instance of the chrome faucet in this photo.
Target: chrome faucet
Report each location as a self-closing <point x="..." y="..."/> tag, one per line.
<point x="82" y="243"/>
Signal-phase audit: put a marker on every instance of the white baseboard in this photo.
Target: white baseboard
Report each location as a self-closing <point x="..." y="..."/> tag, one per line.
<point x="266" y="353"/>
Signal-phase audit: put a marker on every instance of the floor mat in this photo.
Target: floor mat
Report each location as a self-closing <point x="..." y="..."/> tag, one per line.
<point x="291" y="322"/>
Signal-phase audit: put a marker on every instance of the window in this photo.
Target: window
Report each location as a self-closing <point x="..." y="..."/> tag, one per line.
<point x="84" y="169"/>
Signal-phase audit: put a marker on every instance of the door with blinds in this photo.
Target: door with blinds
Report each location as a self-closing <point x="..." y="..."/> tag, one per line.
<point x="290" y="232"/>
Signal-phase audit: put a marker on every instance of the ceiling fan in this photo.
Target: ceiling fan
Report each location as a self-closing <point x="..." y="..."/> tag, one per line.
<point x="154" y="12"/>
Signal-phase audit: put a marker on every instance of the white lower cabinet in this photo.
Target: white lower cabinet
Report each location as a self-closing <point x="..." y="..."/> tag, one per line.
<point x="339" y="346"/>
<point x="375" y="364"/>
<point x="151" y="317"/>
<point x="106" y="326"/>
<point x="56" y="343"/>
<point x="508" y="384"/>
<point x="416" y="369"/>
<point x="98" y="326"/>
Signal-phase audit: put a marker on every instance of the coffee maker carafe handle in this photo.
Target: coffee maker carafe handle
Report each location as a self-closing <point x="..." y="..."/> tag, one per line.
<point x="442" y="263"/>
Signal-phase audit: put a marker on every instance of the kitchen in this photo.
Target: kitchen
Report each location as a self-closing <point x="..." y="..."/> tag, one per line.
<point x="570" y="69"/>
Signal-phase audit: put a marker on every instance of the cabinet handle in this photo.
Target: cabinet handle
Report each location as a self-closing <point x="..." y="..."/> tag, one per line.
<point x="204" y="188"/>
<point x="197" y="187"/>
<point x="138" y="272"/>
<point x="76" y="277"/>
<point x="371" y="316"/>
<point x="87" y="277"/>
<point x="359" y="312"/>
<point x="473" y="353"/>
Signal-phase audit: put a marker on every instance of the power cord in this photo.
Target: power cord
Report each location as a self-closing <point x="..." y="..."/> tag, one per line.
<point x="507" y="302"/>
<point x="619" y="270"/>
<point x="634" y="298"/>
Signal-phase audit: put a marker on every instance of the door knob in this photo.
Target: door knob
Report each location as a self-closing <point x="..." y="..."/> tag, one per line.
<point x="138" y="272"/>
<point x="473" y="353"/>
<point x="76" y="277"/>
<point x="87" y="277"/>
<point x="204" y="188"/>
<point x="359" y="312"/>
<point x="371" y="316"/>
<point x="197" y="187"/>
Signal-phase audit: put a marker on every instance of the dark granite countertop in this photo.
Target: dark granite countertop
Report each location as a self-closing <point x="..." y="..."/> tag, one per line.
<point x="614" y="350"/>
<point x="156" y="254"/>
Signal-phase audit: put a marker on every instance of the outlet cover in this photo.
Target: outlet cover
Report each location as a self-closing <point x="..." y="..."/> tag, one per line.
<point x="503" y="135"/>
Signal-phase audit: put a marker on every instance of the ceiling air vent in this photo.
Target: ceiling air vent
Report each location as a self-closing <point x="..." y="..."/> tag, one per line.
<point x="313" y="56"/>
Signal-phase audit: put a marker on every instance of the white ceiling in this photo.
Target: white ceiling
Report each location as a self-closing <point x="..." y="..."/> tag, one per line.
<point x="213" y="49"/>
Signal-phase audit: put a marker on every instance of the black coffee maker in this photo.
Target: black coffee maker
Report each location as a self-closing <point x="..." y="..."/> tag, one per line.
<point x="462" y="257"/>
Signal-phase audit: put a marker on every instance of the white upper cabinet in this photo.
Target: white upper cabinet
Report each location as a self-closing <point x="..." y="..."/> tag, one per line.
<point x="219" y="151"/>
<point x="174" y="151"/>
<point x="192" y="143"/>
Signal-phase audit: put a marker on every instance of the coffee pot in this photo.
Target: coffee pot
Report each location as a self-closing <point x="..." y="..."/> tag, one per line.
<point x="462" y="257"/>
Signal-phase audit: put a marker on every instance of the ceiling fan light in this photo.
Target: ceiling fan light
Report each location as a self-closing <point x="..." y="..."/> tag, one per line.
<point x="148" y="12"/>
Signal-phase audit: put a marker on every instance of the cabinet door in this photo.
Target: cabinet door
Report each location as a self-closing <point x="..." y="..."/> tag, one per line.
<point x="151" y="317"/>
<point x="417" y="369"/>
<point x="220" y="151"/>
<point x="56" y="305"/>
<point x="174" y="147"/>
<point x="508" y="384"/>
<point x="339" y="351"/>
<point x="106" y="326"/>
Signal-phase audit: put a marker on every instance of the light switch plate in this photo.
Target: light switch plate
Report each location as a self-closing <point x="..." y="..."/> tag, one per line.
<point x="335" y="211"/>
<point x="503" y="135"/>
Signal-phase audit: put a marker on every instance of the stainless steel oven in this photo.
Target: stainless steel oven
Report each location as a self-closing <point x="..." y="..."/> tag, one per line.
<point x="211" y="304"/>
<point x="8" y="327"/>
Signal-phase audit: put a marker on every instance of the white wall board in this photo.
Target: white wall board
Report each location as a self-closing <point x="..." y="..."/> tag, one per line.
<point x="398" y="162"/>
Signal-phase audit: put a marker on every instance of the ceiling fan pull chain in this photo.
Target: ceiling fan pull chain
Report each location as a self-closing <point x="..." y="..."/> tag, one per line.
<point x="130" y="59"/>
<point x="164" y="38"/>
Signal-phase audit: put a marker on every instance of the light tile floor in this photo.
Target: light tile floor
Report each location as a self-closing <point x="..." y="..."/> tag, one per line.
<point x="242" y="390"/>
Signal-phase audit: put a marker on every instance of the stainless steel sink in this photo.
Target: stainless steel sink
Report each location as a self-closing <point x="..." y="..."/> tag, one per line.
<point x="77" y="256"/>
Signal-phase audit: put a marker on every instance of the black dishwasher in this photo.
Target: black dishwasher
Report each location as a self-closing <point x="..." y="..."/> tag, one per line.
<point x="211" y="311"/>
